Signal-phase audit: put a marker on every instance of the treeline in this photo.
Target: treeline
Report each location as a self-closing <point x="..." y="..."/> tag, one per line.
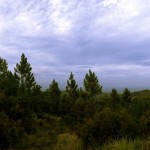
<point x="35" y="119"/>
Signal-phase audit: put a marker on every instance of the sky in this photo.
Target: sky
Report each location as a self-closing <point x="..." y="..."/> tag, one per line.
<point x="110" y="37"/>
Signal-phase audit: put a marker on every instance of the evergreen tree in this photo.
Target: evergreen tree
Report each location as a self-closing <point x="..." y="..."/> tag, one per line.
<point x="3" y="71"/>
<point x="54" y="97"/>
<point x="3" y="67"/>
<point x="115" y="97"/>
<point x="24" y="76"/>
<point x="36" y="90"/>
<point x="114" y="94"/>
<point x="91" y="84"/>
<point x="54" y="90"/>
<point x="126" y="96"/>
<point x="72" y="87"/>
<point x="8" y="82"/>
<point x="83" y="94"/>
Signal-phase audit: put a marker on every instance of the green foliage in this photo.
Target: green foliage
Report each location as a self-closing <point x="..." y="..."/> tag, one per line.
<point x="78" y="109"/>
<point x="91" y="84"/>
<point x="38" y="103"/>
<point x="71" y="119"/>
<point x="54" y="90"/>
<point x="126" y="96"/>
<point x="67" y="141"/>
<point x="115" y="98"/>
<point x="54" y="97"/>
<point x="36" y="142"/>
<point x="72" y="88"/>
<point x="128" y="126"/>
<point x="139" y="106"/>
<point x="64" y="105"/>
<point x="125" y="144"/>
<point x="143" y="94"/>
<point x="120" y="145"/>
<point x="3" y="66"/>
<point x="90" y="108"/>
<point x="2" y="96"/>
<point x="83" y="94"/>
<point x="10" y="133"/>
<point x="103" y="126"/>
<point x="8" y="83"/>
<point x="49" y="127"/>
<point x="11" y="107"/>
<point x="24" y="76"/>
<point x="145" y="123"/>
<point x="36" y="90"/>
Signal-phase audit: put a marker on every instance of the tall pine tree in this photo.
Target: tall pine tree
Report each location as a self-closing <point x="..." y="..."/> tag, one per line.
<point x="91" y="84"/>
<point x="3" y="66"/>
<point x="54" y="90"/>
<point x="3" y="71"/>
<point x="24" y="76"/>
<point x="114" y="97"/>
<point x="126" y="96"/>
<point x="72" y="87"/>
<point x="54" y="97"/>
<point x="8" y="83"/>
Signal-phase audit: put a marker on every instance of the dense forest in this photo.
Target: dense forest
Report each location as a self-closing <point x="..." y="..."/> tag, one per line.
<point x="72" y="119"/>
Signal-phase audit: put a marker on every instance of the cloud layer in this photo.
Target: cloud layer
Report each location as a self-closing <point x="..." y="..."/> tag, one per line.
<point x="59" y="36"/>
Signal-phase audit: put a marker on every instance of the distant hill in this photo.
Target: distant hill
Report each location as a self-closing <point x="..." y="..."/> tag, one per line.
<point x="141" y="94"/>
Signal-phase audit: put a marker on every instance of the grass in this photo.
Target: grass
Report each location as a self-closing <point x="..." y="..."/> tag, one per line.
<point x="125" y="144"/>
<point x="68" y="141"/>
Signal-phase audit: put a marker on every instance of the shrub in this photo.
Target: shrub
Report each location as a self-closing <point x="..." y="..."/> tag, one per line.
<point x="67" y="141"/>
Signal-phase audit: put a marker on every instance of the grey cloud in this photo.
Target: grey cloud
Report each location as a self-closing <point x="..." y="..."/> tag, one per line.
<point x="63" y="36"/>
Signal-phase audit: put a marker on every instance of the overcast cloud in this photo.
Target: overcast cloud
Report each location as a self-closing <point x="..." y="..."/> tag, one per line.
<point x="112" y="37"/>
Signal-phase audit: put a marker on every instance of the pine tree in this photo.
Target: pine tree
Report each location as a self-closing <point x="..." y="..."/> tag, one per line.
<point x="3" y="71"/>
<point x="8" y="83"/>
<point x="54" y="90"/>
<point x="24" y="76"/>
<point x="54" y="97"/>
<point x="126" y="96"/>
<point x="72" y="87"/>
<point x="114" y="94"/>
<point x="3" y="66"/>
<point x="115" y="97"/>
<point x="91" y="84"/>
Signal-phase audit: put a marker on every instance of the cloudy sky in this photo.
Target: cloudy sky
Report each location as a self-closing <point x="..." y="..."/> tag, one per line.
<point x="112" y="37"/>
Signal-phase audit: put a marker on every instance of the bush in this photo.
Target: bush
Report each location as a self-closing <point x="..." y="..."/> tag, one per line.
<point x="11" y="134"/>
<point x="105" y="125"/>
<point x="128" y="126"/>
<point x="67" y="141"/>
<point x="145" y="124"/>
